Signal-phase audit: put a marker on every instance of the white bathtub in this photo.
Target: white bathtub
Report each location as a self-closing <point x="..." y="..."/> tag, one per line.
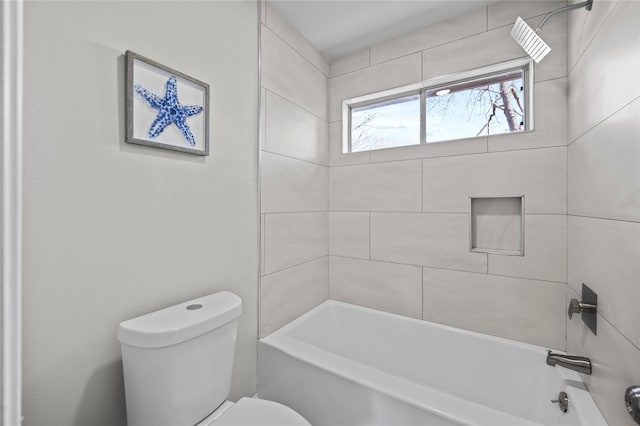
<point x="341" y="364"/>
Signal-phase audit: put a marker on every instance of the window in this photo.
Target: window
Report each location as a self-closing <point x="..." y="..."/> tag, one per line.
<point x="486" y="101"/>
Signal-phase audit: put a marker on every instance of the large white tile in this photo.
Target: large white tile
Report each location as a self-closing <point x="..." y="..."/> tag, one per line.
<point x="604" y="168"/>
<point x="393" y="186"/>
<point x="452" y="29"/>
<point x="385" y="286"/>
<point x="289" y="293"/>
<point x="545" y="251"/>
<point x="294" y="39"/>
<point x="439" y="149"/>
<point x="583" y="26"/>
<point x="349" y="234"/>
<point x="538" y="174"/>
<point x="262" y="244"/>
<point x="505" y="12"/>
<point x="352" y="62"/>
<point x="550" y="120"/>
<point x="291" y="185"/>
<point x="605" y="255"/>
<point x="398" y="72"/>
<point x="289" y="74"/>
<point x="263" y="119"/>
<point x="615" y="365"/>
<point x="514" y="308"/>
<point x="603" y="80"/>
<point x="294" y="132"/>
<point x="496" y="46"/>
<point x="294" y="238"/>
<point x="336" y="156"/>
<point x="496" y="224"/>
<point x="428" y="239"/>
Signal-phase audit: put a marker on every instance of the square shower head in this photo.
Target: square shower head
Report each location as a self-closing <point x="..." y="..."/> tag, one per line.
<point x="529" y="40"/>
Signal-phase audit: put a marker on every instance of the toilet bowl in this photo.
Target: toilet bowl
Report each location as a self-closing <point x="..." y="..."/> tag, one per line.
<point x="253" y="411"/>
<point x="177" y="365"/>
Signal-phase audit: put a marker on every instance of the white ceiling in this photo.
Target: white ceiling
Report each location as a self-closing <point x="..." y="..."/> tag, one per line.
<point x="340" y="27"/>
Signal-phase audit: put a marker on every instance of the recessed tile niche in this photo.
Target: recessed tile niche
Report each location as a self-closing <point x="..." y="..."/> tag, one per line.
<point x="497" y="225"/>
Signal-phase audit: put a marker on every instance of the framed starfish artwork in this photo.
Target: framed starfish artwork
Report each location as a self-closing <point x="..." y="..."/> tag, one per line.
<point x="165" y="108"/>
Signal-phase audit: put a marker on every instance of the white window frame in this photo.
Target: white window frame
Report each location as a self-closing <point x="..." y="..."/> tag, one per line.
<point x="525" y="63"/>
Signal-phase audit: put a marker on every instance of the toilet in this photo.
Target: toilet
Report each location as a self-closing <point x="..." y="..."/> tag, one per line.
<point x="177" y="366"/>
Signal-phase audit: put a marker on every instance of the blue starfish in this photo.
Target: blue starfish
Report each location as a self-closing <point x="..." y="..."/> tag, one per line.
<point x="169" y="110"/>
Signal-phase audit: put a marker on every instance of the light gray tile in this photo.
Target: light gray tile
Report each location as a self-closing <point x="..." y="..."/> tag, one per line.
<point x="514" y="308"/>
<point x="545" y="251"/>
<point x="287" y="294"/>
<point x="583" y="26"/>
<point x="469" y="53"/>
<point x="393" y="186"/>
<point x="538" y="174"/>
<point x="290" y="75"/>
<point x="615" y="365"/>
<point x="262" y="231"/>
<point x="263" y="12"/>
<point x="294" y="39"/>
<point x="336" y="156"/>
<point x="602" y="81"/>
<point x="605" y="254"/>
<point x="550" y="120"/>
<point x="496" y="224"/>
<point x="294" y="238"/>
<point x="473" y="52"/>
<point x="398" y="72"/>
<point x="263" y="119"/>
<point x="505" y="12"/>
<point x="385" y="286"/>
<point x="604" y="168"/>
<point x="428" y="239"/>
<point x="288" y="184"/>
<point x="349" y="234"/>
<point x="452" y="29"/>
<point x="294" y="132"/>
<point x="440" y="149"/>
<point x="352" y="62"/>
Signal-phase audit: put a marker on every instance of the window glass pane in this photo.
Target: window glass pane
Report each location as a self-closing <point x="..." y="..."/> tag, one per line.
<point x="391" y="123"/>
<point x="487" y="106"/>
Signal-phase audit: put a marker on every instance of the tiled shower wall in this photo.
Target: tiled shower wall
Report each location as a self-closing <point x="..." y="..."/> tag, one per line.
<point x="294" y="144"/>
<point x="604" y="195"/>
<point x="399" y="218"/>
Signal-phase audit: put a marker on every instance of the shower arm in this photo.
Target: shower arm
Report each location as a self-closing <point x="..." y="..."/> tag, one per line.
<point x="586" y="4"/>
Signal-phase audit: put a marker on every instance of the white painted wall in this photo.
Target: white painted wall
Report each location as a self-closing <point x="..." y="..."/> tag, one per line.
<point x="113" y="230"/>
<point x="604" y="195"/>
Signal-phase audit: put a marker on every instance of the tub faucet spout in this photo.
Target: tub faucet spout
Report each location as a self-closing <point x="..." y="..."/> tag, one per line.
<point x="581" y="364"/>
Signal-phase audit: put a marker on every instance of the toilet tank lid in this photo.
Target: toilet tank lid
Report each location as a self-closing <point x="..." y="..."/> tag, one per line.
<point x="180" y="322"/>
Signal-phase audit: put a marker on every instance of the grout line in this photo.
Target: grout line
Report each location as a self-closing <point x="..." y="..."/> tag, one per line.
<point x="326" y="120"/>
<point x="306" y="262"/>
<point x="616" y="329"/>
<point x="453" y="155"/>
<point x="595" y="35"/>
<point x="577" y="139"/>
<point x="453" y="270"/>
<point x="369" y="214"/>
<point x="637" y="222"/>
<point x="297" y="212"/>
<point x="421" y="212"/>
<point x="294" y="158"/>
<point x="296" y="50"/>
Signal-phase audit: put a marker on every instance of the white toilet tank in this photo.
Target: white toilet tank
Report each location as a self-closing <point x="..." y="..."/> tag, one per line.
<point x="178" y="361"/>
